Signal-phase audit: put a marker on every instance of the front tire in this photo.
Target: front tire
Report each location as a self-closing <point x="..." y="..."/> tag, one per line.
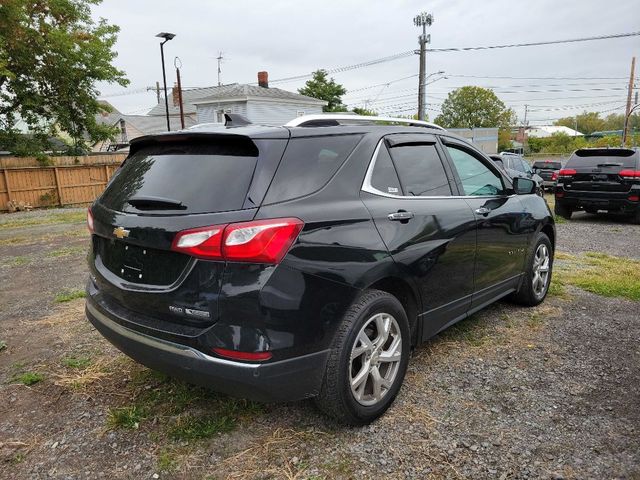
<point x="368" y="360"/>
<point x="537" y="277"/>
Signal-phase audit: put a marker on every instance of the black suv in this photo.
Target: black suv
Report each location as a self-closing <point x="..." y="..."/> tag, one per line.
<point x="283" y="263"/>
<point x="547" y="170"/>
<point x="600" y="179"/>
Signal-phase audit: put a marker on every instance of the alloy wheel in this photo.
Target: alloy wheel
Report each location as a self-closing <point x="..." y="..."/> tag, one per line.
<point x="375" y="359"/>
<point x="541" y="264"/>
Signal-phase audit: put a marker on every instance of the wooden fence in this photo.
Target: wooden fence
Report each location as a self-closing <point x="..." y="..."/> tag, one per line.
<point x="62" y="161"/>
<point x="54" y="186"/>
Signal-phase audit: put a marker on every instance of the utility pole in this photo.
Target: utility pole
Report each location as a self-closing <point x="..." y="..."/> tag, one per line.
<point x="155" y="89"/>
<point x="219" y="58"/>
<point x="423" y="20"/>
<point x="177" y="63"/>
<point x="627" y="112"/>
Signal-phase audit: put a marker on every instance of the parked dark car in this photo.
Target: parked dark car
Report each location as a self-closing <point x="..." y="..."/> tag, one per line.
<point x="516" y="166"/>
<point x="283" y="263"/>
<point x="548" y="170"/>
<point x="597" y="179"/>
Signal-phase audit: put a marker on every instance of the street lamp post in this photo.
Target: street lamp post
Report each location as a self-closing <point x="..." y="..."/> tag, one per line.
<point x="167" y="37"/>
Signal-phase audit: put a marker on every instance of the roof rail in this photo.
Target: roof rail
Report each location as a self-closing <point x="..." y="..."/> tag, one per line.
<point x="332" y="119"/>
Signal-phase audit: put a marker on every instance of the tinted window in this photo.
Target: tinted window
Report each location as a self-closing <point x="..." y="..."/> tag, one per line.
<point x="194" y="177"/>
<point x="308" y="164"/>
<point x="525" y="166"/>
<point x="600" y="157"/>
<point x="477" y="179"/>
<point x="420" y="170"/>
<point x="384" y="177"/>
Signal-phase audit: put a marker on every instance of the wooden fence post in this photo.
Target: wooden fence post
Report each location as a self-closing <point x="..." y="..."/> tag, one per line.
<point x="58" y="187"/>
<point x="6" y="182"/>
<point x="106" y="173"/>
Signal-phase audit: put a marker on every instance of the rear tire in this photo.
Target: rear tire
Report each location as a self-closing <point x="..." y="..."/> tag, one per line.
<point x="562" y="210"/>
<point x="537" y="277"/>
<point x="368" y="360"/>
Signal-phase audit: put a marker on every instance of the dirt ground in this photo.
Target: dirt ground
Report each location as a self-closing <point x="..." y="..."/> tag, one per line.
<point x="512" y="393"/>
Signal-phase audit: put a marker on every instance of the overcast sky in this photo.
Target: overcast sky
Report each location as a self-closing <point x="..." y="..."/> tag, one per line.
<point x="289" y="38"/>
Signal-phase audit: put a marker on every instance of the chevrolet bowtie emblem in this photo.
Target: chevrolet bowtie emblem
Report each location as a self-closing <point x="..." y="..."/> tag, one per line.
<point x="120" y="232"/>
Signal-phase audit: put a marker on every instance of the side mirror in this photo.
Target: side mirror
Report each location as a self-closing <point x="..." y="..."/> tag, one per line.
<point x="524" y="186"/>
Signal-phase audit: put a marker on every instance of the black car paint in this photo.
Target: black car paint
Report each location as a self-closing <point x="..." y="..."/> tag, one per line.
<point x="597" y="184"/>
<point x="347" y="244"/>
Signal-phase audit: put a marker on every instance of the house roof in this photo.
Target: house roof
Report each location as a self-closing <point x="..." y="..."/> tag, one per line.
<point x="149" y="124"/>
<point x="548" y="130"/>
<point x="232" y="92"/>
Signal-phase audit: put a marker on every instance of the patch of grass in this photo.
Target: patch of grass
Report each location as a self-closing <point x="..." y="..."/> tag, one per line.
<point x="65" y="217"/>
<point x="69" y="295"/>
<point x="193" y="427"/>
<point x="557" y="289"/>
<point x="29" y="378"/>
<point x="468" y="331"/>
<point x="3" y="345"/>
<point x="66" y="251"/>
<point x="125" y="417"/>
<point x="535" y="320"/>
<point x="20" y="260"/>
<point x="18" y="458"/>
<point x="76" y="362"/>
<point x="167" y="461"/>
<point x="559" y="220"/>
<point x="603" y="274"/>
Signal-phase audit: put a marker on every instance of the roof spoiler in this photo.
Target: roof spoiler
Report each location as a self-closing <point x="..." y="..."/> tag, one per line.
<point x="235" y="120"/>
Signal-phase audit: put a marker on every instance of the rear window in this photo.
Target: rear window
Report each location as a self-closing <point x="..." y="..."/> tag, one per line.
<point x="547" y="165"/>
<point x="193" y="177"/>
<point x="603" y="157"/>
<point x="308" y="164"/>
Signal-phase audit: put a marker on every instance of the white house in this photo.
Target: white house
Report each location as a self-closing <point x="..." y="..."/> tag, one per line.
<point x="259" y="103"/>
<point x="544" y="131"/>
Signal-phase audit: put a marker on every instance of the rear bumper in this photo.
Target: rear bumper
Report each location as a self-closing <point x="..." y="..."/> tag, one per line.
<point x="286" y="380"/>
<point x="601" y="200"/>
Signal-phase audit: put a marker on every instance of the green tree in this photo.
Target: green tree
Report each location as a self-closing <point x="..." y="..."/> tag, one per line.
<point x="324" y="88"/>
<point x="469" y="107"/>
<point x="52" y="54"/>
<point x="585" y="122"/>
<point x="364" y="111"/>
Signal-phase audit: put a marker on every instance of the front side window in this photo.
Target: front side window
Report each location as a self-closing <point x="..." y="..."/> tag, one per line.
<point x="420" y="170"/>
<point x="477" y="179"/>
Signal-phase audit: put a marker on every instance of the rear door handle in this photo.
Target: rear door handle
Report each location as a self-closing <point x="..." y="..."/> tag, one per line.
<point x="400" y="216"/>
<point x="483" y="211"/>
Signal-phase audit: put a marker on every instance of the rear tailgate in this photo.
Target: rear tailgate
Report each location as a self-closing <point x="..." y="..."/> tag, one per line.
<point x="161" y="189"/>
<point x="600" y="170"/>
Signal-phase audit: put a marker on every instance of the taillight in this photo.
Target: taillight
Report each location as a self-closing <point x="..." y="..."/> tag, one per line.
<point x="554" y="176"/>
<point x="90" y="220"/>
<point x="247" y="356"/>
<point x="259" y="241"/>
<point x="205" y="242"/>
<point x="559" y="194"/>
<point x="567" y="172"/>
<point x="630" y="173"/>
<point x="634" y="198"/>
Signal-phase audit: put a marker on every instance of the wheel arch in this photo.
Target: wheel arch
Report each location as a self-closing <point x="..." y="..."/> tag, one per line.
<point x="406" y="295"/>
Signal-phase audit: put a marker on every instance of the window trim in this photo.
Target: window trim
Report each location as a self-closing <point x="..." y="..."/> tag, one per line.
<point x="369" y="188"/>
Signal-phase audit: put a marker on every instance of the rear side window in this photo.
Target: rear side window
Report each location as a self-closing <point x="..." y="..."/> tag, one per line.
<point x="420" y="170"/>
<point x="384" y="177"/>
<point x="185" y="177"/>
<point x="308" y="164"/>
<point x="603" y="157"/>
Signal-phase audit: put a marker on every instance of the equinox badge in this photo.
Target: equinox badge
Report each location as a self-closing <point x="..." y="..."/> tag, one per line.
<point x="120" y="232"/>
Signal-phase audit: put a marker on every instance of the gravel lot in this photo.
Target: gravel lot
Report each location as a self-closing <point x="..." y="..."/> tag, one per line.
<point x="549" y="392"/>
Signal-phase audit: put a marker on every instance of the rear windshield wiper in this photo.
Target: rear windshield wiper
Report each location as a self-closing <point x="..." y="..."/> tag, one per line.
<point x="156" y="203"/>
<point x="610" y="164"/>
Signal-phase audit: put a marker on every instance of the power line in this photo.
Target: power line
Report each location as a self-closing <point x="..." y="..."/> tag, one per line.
<point x="535" y="44"/>
<point x="534" y="78"/>
<point x="410" y="53"/>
